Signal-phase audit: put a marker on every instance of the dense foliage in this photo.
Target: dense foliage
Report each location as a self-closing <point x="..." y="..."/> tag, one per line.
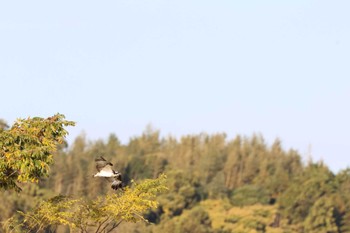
<point x="26" y="149"/>
<point x="215" y="185"/>
<point x="103" y="214"/>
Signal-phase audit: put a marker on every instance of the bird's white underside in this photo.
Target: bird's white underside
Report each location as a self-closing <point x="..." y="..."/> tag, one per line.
<point x="103" y="173"/>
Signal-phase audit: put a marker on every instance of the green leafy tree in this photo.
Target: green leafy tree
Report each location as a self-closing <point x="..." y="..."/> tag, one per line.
<point x="342" y="198"/>
<point x="321" y="218"/>
<point x="197" y="220"/>
<point x="185" y="194"/>
<point x="26" y="149"/>
<point x="249" y="195"/>
<point x="316" y="182"/>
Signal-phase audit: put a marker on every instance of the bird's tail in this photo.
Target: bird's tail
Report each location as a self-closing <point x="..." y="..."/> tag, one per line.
<point x="117" y="185"/>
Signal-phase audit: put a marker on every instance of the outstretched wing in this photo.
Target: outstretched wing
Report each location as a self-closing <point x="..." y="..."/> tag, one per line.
<point x="106" y="171"/>
<point x="102" y="163"/>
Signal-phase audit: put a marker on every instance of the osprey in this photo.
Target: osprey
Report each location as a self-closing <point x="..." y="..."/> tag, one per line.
<point x="105" y="169"/>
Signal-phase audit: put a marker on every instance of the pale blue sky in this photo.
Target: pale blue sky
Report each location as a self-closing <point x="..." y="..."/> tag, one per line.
<point x="279" y="68"/>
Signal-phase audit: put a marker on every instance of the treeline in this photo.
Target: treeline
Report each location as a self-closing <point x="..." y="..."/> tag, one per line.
<point x="215" y="184"/>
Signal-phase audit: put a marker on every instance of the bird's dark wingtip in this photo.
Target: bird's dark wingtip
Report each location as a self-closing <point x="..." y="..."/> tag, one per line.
<point x="100" y="159"/>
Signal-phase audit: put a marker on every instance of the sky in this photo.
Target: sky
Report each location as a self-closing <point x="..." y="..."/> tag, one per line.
<point x="276" y="68"/>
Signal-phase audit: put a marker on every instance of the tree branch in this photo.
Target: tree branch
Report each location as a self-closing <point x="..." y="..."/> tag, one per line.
<point x="115" y="225"/>
<point x="100" y="224"/>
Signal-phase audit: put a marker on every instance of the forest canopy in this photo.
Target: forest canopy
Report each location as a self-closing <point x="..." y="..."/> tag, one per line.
<point x="214" y="184"/>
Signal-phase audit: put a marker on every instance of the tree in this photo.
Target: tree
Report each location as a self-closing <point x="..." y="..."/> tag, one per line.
<point x="249" y="195"/>
<point x="321" y="218"/>
<point x="102" y="214"/>
<point x="26" y="149"/>
<point x="316" y="182"/>
<point x="184" y="194"/>
<point x="343" y="200"/>
<point x="197" y="220"/>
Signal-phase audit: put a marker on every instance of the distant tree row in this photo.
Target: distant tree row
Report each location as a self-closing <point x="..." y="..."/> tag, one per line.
<point x="260" y="187"/>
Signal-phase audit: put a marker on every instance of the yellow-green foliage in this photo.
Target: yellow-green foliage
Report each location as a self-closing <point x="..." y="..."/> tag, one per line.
<point x="248" y="219"/>
<point x="215" y="185"/>
<point x="26" y="149"/>
<point x="131" y="204"/>
<point x="55" y="211"/>
<point x="102" y="215"/>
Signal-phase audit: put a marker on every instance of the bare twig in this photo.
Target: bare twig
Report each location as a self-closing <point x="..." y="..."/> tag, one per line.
<point x="115" y="225"/>
<point x="100" y="224"/>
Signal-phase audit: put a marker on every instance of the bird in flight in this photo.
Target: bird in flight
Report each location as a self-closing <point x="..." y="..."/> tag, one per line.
<point x="105" y="169"/>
